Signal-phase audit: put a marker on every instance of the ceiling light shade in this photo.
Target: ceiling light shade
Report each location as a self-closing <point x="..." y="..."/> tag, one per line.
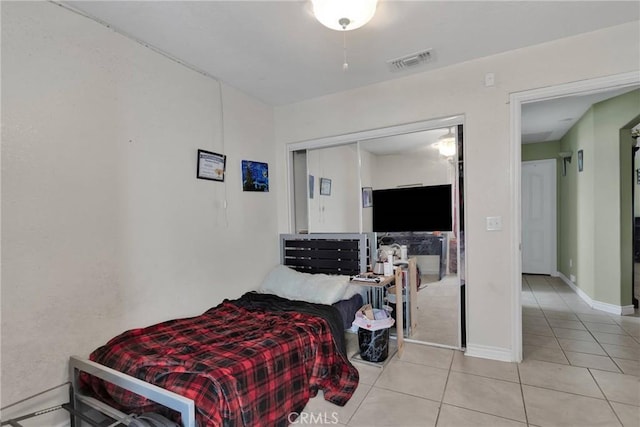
<point x="447" y="144"/>
<point x="344" y="15"/>
<point x="447" y="148"/>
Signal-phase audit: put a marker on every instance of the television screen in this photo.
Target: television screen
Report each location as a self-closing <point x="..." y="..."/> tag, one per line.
<point x="425" y="208"/>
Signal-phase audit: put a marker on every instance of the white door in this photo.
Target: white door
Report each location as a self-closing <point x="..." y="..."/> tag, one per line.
<point x="539" y="217"/>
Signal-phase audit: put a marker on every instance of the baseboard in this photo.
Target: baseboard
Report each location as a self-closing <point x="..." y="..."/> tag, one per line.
<point x="489" y="352"/>
<point x="597" y="305"/>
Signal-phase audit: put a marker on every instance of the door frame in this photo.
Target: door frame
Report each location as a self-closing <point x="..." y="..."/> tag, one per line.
<point x="553" y="267"/>
<point x="516" y="99"/>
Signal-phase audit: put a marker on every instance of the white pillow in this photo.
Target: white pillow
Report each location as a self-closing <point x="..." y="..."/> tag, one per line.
<point x="317" y="288"/>
<point x="282" y="281"/>
<point x="324" y="288"/>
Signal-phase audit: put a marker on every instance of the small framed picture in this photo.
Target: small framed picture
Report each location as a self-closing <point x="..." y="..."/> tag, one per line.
<point x="367" y="197"/>
<point x="211" y="165"/>
<point x="580" y="160"/>
<point x="255" y="176"/>
<point x="325" y="187"/>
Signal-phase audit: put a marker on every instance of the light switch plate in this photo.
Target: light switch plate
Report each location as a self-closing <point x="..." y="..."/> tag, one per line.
<point x="494" y="223"/>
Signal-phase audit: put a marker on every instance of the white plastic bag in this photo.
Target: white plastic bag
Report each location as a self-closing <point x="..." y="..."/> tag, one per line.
<point x="382" y="320"/>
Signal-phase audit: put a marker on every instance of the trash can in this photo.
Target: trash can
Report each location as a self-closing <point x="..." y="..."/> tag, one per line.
<point x="373" y="334"/>
<point x="374" y="345"/>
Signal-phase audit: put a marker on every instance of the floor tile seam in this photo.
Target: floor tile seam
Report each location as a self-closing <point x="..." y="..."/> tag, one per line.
<point x="606" y="398"/>
<point x="424" y="364"/>
<point x="444" y="391"/>
<point x="586" y="352"/>
<point x="589" y="367"/>
<point x="482" y="412"/>
<point x="623" y="403"/>
<point x="524" y="403"/>
<point x="621" y="370"/>
<point x="355" y="411"/>
<point x="624" y="358"/>
<point x="566" y="327"/>
<point x="575" y="338"/>
<point x="533" y="333"/>
<point x="635" y="339"/>
<point x="603" y="323"/>
<point x="612" y="333"/>
<point x="565" y="391"/>
<point x="485" y="376"/>
<point x="380" y="387"/>
<point x="619" y="345"/>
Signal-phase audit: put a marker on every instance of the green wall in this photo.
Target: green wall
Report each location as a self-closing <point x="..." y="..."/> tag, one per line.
<point x="540" y="151"/>
<point x="595" y="207"/>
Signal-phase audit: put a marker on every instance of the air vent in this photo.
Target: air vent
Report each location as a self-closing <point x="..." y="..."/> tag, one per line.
<point x="410" y="61"/>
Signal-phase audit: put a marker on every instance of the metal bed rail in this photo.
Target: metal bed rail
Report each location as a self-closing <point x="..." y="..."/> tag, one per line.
<point x="169" y="399"/>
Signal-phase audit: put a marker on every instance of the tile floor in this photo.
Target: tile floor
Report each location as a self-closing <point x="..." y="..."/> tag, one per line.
<point x="438" y="313"/>
<point x="580" y="368"/>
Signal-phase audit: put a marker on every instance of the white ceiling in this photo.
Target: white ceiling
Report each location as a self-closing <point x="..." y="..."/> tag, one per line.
<point x="278" y="53"/>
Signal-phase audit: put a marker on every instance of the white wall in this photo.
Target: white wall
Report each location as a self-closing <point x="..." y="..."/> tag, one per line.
<point x="339" y="211"/>
<point x="456" y="90"/>
<point x="418" y="167"/>
<point x="104" y="224"/>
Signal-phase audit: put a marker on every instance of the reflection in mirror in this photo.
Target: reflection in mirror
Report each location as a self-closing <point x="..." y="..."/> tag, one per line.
<point x="401" y="169"/>
<point x="330" y="187"/>
<point x="425" y="159"/>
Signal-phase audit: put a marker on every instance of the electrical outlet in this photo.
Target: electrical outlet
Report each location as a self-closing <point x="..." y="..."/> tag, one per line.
<point x="570" y="263"/>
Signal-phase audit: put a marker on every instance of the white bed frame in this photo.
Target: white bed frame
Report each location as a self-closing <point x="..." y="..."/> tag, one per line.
<point x="366" y="245"/>
<point x="167" y="398"/>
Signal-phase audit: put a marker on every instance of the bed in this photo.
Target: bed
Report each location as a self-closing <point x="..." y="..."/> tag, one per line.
<point x="251" y="361"/>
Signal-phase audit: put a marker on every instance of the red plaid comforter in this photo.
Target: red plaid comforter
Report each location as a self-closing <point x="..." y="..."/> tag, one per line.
<point x="241" y="367"/>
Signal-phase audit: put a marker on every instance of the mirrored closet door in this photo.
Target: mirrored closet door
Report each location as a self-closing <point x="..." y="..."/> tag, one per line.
<point x="421" y="172"/>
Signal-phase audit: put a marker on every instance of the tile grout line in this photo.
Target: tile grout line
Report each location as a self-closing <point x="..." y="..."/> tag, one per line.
<point x="524" y="403"/>
<point x="589" y="332"/>
<point x="605" y="397"/>
<point x="444" y="390"/>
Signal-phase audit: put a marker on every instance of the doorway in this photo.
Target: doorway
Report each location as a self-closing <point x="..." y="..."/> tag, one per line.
<point x="620" y="81"/>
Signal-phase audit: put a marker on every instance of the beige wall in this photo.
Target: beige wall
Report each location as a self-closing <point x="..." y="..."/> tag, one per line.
<point x="104" y="224"/>
<point x="489" y="187"/>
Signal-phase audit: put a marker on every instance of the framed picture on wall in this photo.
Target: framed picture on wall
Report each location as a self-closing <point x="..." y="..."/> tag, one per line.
<point x="325" y="187"/>
<point x="255" y="176"/>
<point x="367" y="197"/>
<point x="211" y="165"/>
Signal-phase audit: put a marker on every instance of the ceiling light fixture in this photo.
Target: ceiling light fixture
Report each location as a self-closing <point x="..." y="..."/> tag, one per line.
<point x="447" y="144"/>
<point x="344" y="15"/>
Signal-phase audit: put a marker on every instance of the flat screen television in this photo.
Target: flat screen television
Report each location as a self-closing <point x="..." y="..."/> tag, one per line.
<point x="426" y="208"/>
